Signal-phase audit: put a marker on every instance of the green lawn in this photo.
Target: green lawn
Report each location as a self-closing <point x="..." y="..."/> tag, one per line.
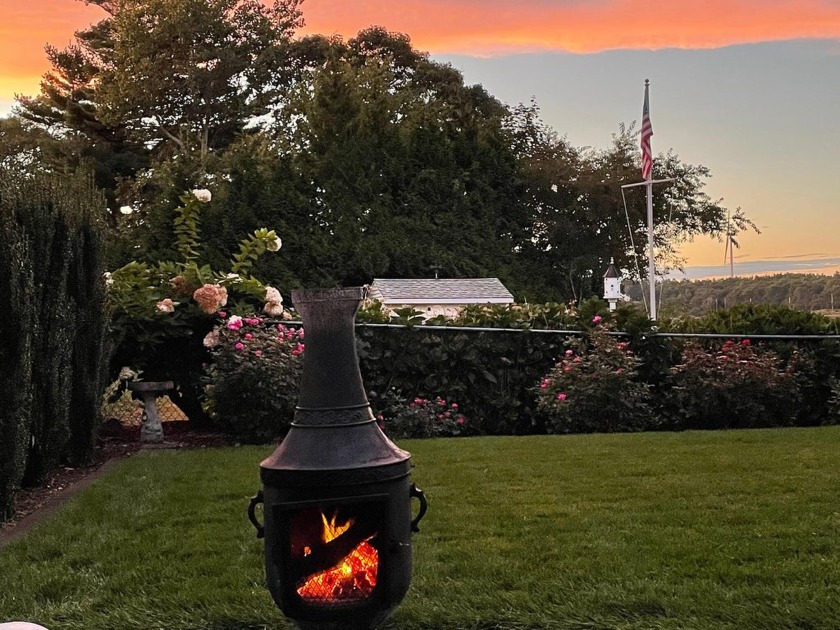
<point x="690" y="530"/>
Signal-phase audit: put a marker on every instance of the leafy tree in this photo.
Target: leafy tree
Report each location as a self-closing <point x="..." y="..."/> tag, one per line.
<point x="404" y="169"/>
<point x="579" y="219"/>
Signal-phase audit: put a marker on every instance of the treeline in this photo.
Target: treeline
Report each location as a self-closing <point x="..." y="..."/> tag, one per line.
<point x="369" y="158"/>
<point x="807" y="292"/>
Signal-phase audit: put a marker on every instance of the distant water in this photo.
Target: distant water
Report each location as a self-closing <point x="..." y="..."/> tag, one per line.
<point x="760" y="268"/>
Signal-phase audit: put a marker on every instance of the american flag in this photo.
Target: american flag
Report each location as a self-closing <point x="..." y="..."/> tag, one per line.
<point x="647" y="132"/>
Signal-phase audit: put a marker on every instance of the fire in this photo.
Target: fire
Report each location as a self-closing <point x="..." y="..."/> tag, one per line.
<point x="354" y="577"/>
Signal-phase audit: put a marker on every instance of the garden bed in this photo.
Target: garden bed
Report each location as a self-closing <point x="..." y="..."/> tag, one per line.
<point x="695" y="530"/>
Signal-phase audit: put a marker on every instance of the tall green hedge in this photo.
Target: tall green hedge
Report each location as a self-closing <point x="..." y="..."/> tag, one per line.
<point x="52" y="328"/>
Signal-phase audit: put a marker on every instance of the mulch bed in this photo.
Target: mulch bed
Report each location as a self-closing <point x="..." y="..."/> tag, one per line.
<point x="117" y="442"/>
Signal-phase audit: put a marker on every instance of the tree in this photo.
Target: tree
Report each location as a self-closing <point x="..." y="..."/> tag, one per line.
<point x="580" y="220"/>
<point x="404" y="168"/>
<point x="151" y="91"/>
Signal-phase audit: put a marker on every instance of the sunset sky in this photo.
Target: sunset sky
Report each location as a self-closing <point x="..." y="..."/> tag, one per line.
<point x="749" y="88"/>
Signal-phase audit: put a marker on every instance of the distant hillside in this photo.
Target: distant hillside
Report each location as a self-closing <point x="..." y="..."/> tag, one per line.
<point x="696" y="297"/>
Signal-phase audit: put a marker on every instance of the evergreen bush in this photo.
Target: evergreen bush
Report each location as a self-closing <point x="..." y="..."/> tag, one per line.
<point x="17" y="292"/>
<point x="53" y="329"/>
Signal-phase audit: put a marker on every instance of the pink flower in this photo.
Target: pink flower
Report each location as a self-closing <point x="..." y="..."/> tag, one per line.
<point x="418" y="401"/>
<point x="745" y="342"/>
<point x="622" y="345"/>
<point x="569" y="353"/>
<point x="545" y="384"/>
<point x="300" y="333"/>
<point x="211" y="339"/>
<point x="222" y="314"/>
<point x="234" y="323"/>
<point x="258" y="353"/>
<point x="461" y="420"/>
<point x="249" y="336"/>
<point x="620" y="371"/>
<point x="166" y="306"/>
<point x="577" y="360"/>
<point x="252" y="321"/>
<point x="239" y="345"/>
<point x="561" y="396"/>
<point x="210" y="298"/>
<point x="441" y="402"/>
<point x="454" y="406"/>
<point x="448" y="414"/>
<point x="596" y="319"/>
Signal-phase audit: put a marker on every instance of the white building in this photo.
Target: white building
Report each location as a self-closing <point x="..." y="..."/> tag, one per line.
<point x="444" y="296"/>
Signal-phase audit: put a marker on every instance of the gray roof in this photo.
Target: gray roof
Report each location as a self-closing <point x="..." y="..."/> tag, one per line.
<point x="440" y="291"/>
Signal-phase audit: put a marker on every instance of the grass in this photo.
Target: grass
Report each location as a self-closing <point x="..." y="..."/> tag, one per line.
<point x="649" y="531"/>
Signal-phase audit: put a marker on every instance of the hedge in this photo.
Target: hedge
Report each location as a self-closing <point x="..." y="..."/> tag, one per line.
<point x="52" y="332"/>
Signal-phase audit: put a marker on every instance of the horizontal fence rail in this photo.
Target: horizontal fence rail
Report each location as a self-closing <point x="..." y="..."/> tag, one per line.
<point x="572" y="333"/>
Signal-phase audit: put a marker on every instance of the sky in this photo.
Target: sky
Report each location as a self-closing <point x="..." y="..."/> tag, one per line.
<point x="748" y="88"/>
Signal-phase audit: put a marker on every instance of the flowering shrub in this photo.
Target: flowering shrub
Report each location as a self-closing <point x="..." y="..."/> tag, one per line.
<point x="594" y="387"/>
<point x="251" y="385"/>
<point x="736" y="386"/>
<point x="160" y="312"/>
<point x="419" y="417"/>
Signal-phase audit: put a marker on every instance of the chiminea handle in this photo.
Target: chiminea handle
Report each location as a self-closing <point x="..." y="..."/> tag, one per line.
<point x="252" y="516"/>
<point x="417" y="492"/>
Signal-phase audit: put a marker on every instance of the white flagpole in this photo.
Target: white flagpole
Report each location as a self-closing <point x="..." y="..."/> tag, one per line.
<point x="651" y="265"/>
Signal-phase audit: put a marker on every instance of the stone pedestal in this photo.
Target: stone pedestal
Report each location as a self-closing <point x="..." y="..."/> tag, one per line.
<point x="151" y="430"/>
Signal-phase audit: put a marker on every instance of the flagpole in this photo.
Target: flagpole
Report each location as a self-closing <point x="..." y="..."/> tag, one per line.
<point x="651" y="265"/>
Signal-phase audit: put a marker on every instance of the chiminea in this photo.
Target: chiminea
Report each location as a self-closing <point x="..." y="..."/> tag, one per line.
<point x="336" y="492"/>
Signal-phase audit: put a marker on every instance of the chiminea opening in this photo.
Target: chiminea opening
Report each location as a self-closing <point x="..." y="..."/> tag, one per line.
<point x="333" y="549"/>
<point x="337" y="492"/>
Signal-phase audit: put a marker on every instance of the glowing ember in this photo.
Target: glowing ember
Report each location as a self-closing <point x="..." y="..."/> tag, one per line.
<point x="354" y="577"/>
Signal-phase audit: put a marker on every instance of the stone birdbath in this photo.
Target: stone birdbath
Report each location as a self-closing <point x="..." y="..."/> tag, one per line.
<point x="151" y="430"/>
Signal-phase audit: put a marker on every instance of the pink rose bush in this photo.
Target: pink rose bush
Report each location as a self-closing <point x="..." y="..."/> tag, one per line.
<point x="251" y="384"/>
<point x="419" y="417"/>
<point x="734" y="385"/>
<point x="595" y="387"/>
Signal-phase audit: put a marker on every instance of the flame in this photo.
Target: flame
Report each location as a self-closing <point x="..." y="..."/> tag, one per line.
<point x="354" y="577"/>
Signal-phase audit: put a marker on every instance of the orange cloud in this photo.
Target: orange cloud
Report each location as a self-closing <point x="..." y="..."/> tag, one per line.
<point x="490" y="27"/>
<point x="478" y="27"/>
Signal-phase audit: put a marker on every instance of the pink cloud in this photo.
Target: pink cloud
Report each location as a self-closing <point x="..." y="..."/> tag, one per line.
<point x="498" y="26"/>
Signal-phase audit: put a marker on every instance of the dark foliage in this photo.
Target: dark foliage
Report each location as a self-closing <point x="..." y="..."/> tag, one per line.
<point x="54" y="326"/>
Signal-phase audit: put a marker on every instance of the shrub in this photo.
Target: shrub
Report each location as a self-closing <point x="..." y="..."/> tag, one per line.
<point x="251" y="385"/>
<point x="161" y="312"/>
<point x="737" y="386"/>
<point x="595" y="387"/>
<point x="53" y="326"/>
<point x="400" y="418"/>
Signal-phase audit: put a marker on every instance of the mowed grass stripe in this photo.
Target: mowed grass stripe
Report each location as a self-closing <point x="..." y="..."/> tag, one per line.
<point x="670" y="530"/>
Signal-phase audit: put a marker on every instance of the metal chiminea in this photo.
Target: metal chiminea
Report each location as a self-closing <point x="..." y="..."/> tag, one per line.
<point x="336" y="492"/>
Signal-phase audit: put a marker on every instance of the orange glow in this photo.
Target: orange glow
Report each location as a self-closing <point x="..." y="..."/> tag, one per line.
<point x="476" y="27"/>
<point x="582" y="26"/>
<point x="353" y="578"/>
